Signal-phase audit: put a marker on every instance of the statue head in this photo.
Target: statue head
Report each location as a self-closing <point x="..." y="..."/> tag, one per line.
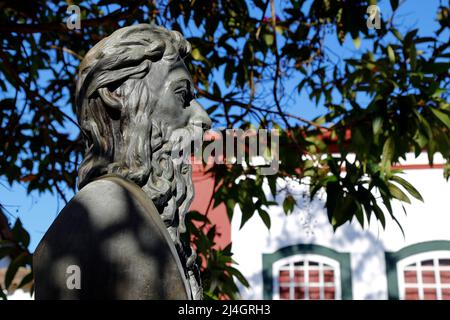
<point x="133" y="92"/>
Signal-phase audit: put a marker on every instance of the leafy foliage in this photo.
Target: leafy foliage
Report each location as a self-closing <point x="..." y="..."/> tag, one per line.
<point x="389" y="99"/>
<point x="14" y="245"/>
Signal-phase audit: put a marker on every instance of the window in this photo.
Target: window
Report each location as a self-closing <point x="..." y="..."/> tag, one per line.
<point x="306" y="277"/>
<point x="425" y="276"/>
<point x="419" y="271"/>
<point x="307" y="271"/>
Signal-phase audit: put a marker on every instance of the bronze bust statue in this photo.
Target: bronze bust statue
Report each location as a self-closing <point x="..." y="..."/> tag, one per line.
<point x="122" y="229"/>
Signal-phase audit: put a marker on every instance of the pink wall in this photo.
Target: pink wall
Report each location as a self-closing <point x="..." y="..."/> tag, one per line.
<point x="204" y="185"/>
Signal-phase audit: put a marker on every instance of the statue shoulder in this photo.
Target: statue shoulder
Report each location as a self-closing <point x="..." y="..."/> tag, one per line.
<point x="111" y="198"/>
<point x="108" y="186"/>
<point x="112" y="231"/>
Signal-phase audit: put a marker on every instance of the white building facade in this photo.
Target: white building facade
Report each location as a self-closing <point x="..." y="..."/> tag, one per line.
<point x="300" y="257"/>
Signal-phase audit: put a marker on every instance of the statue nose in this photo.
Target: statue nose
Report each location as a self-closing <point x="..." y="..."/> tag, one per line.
<point x="199" y="117"/>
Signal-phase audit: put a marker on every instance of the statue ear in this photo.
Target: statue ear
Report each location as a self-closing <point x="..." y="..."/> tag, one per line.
<point x="111" y="99"/>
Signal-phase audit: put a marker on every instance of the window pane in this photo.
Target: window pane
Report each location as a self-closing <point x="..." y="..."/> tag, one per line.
<point x="314" y="276"/>
<point x="284" y="276"/>
<point x="410" y="277"/>
<point x="299" y="293"/>
<point x="427" y="262"/>
<point x="313" y="263"/>
<point x="429" y="294"/>
<point x="284" y="292"/>
<point x="329" y="293"/>
<point x="411" y="294"/>
<point x="445" y="276"/>
<point x="314" y="293"/>
<point x="444" y="262"/>
<point x="328" y="276"/>
<point x="299" y="263"/>
<point x="299" y="276"/>
<point x="446" y="294"/>
<point x="428" y="277"/>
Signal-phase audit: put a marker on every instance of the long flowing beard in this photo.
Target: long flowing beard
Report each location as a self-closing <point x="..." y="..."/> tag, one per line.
<point x="169" y="183"/>
<point x="171" y="189"/>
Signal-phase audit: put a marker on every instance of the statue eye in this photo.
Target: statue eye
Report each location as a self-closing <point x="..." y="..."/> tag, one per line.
<point x="184" y="96"/>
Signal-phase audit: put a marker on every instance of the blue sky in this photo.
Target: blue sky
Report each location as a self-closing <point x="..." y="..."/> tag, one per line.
<point x="37" y="212"/>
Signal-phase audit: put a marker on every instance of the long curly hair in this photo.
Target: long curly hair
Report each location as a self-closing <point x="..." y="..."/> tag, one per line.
<point x="120" y="63"/>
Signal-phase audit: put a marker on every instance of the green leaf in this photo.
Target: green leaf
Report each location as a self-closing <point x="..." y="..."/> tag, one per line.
<point x="436" y="67"/>
<point x="247" y="210"/>
<point x="265" y="218"/>
<point x="20" y="235"/>
<point x="230" y="204"/>
<point x="197" y="216"/>
<point x="211" y="234"/>
<point x="397" y="193"/>
<point x="288" y="204"/>
<point x="229" y="73"/>
<point x="397" y="34"/>
<point x="25" y="280"/>
<point x="379" y="214"/>
<point x="359" y="214"/>
<point x="18" y="262"/>
<point x="357" y="42"/>
<point x="391" y="54"/>
<point x="413" y="57"/>
<point x="6" y="248"/>
<point x="279" y="29"/>
<point x="196" y="54"/>
<point x="344" y="211"/>
<point x="377" y="125"/>
<point x="235" y="272"/>
<point x="408" y="187"/>
<point x="445" y="118"/>
<point x="447" y="171"/>
<point x="2" y="294"/>
<point x="272" y="185"/>
<point x="388" y="153"/>
<point x="268" y="39"/>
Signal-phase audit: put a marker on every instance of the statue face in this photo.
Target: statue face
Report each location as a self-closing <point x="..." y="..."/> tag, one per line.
<point x="176" y="105"/>
<point x="133" y="93"/>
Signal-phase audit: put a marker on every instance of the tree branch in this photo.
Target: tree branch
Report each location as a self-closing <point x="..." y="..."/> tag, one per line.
<point x="262" y="19"/>
<point x="61" y="27"/>
<point x="27" y="90"/>
<point x="212" y="97"/>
